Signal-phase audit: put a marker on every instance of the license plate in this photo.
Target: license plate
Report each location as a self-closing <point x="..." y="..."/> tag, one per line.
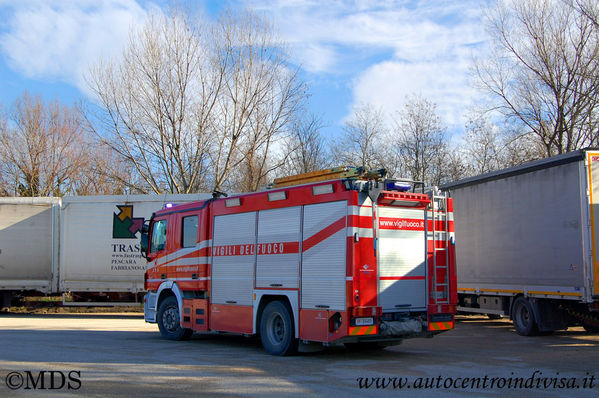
<point x="364" y="321"/>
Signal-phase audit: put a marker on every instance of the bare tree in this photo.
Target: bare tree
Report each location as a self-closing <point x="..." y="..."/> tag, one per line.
<point x="482" y="149"/>
<point x="6" y="179"/>
<point x="487" y="147"/>
<point x="420" y="141"/>
<point x="44" y="149"/>
<point x="544" y="71"/>
<point x="519" y="148"/>
<point x="156" y="103"/>
<point x="305" y="147"/>
<point x="260" y="100"/>
<point x="191" y="101"/>
<point x="588" y="8"/>
<point x="362" y="140"/>
<point x="106" y="173"/>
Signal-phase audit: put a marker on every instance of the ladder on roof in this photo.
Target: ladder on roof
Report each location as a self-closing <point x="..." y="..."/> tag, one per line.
<point x="439" y="293"/>
<point x="334" y="173"/>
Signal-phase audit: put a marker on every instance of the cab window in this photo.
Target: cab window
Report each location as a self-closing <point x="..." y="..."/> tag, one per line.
<point x="190" y="231"/>
<point x="158" y="236"/>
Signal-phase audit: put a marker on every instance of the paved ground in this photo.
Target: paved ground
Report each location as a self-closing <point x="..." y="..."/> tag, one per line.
<point x="123" y="356"/>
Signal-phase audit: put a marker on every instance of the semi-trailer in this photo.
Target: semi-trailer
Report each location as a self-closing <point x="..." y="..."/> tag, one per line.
<point x="85" y="245"/>
<point x="528" y="240"/>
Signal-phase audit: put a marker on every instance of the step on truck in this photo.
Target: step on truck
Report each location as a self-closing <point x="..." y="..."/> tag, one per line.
<point x="341" y="256"/>
<point x="527" y="243"/>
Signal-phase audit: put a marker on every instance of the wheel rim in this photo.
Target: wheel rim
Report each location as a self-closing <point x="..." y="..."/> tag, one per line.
<point x="276" y="329"/>
<point x="524" y="316"/>
<point x="170" y="319"/>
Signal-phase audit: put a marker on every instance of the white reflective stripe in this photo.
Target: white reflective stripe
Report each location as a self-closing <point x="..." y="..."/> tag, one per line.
<point x="160" y="261"/>
<point x="349" y="278"/>
<point x="440" y="215"/>
<point x="204" y="243"/>
<point x="182" y="252"/>
<point x="178" y="253"/>
<point x="179" y="279"/>
<point x="360" y="211"/>
<point x="400" y="212"/>
<point x="189" y="261"/>
<point x="362" y="232"/>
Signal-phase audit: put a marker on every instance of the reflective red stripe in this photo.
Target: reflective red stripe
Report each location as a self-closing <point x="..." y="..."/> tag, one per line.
<point x="324" y="234"/>
<point x="402" y="278"/>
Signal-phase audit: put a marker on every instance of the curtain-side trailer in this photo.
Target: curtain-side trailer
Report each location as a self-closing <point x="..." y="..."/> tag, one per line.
<point x="28" y="246"/>
<point x="527" y="242"/>
<point x="86" y="245"/>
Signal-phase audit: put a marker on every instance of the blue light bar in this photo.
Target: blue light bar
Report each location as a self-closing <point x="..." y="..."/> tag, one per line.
<point x="398" y="186"/>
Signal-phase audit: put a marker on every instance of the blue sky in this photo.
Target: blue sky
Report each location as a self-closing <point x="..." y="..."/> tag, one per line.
<point x="350" y="52"/>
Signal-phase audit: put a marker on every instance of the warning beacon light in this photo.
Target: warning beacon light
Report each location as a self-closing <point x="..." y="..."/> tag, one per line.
<point x="398" y="186"/>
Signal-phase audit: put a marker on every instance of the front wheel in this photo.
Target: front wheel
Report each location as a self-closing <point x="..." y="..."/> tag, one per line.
<point x="277" y="330"/>
<point x="524" y="318"/>
<point x="169" y="322"/>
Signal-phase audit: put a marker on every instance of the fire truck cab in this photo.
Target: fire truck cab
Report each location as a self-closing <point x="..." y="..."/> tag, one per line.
<point x="353" y="259"/>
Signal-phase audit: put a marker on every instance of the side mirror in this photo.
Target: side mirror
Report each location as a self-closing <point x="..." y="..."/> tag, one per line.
<point x="144" y="244"/>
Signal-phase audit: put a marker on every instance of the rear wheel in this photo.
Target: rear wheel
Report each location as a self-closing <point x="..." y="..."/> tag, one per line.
<point x="277" y="329"/>
<point x="591" y="327"/>
<point x="169" y="322"/>
<point x="524" y="318"/>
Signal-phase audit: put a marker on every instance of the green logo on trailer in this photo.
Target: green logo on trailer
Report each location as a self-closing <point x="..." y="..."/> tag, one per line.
<point x="124" y="225"/>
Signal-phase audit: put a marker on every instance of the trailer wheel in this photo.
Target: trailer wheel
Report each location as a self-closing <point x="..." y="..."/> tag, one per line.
<point x="277" y="330"/>
<point x="590" y="327"/>
<point x="169" y="322"/>
<point x="524" y="318"/>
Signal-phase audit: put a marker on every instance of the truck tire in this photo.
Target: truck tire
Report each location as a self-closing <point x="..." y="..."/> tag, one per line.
<point x="277" y="329"/>
<point x="169" y="322"/>
<point x="590" y="327"/>
<point x="524" y="318"/>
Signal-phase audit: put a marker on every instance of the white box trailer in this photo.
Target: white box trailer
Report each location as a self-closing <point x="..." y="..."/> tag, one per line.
<point x="76" y="244"/>
<point x="528" y="239"/>
<point x="28" y="244"/>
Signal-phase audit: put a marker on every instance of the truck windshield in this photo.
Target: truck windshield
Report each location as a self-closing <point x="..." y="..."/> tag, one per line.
<point x="158" y="236"/>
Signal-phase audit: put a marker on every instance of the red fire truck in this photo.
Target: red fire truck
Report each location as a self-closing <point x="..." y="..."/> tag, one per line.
<point x="355" y="259"/>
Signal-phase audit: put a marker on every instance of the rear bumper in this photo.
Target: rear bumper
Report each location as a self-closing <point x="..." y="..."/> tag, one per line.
<point x="150" y="307"/>
<point x="395" y="331"/>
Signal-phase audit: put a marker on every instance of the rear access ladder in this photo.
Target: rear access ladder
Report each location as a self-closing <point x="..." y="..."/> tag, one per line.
<point x="439" y="293"/>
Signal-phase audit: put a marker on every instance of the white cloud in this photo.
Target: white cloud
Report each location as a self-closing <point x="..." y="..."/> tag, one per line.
<point x="315" y="58"/>
<point x="391" y="48"/>
<point x="59" y="40"/>
<point x="384" y="49"/>
<point x="387" y="84"/>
